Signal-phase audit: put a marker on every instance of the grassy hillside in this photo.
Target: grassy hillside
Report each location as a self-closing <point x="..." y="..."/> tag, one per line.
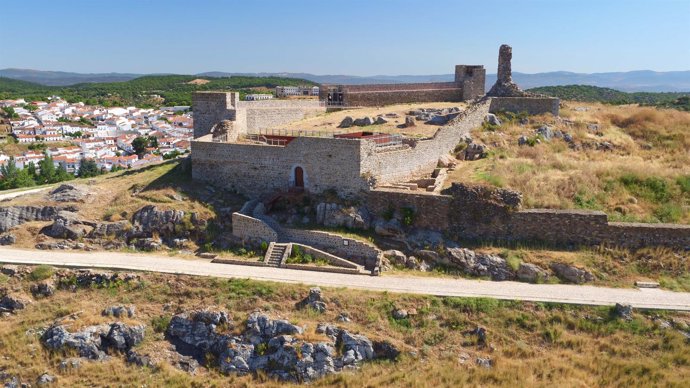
<point x="174" y="89"/>
<point x="628" y="161"/>
<point x="529" y="344"/>
<point x="589" y="93"/>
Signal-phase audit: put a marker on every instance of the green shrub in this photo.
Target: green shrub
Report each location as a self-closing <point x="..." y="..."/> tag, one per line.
<point x="408" y="216"/>
<point x="684" y="183"/>
<point x="41" y="272"/>
<point x="651" y="188"/>
<point x="264" y="246"/>
<point x="668" y="213"/>
<point x="160" y="323"/>
<point x="471" y="305"/>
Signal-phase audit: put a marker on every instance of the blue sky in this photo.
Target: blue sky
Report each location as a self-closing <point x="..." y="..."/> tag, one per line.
<point x="357" y="37"/>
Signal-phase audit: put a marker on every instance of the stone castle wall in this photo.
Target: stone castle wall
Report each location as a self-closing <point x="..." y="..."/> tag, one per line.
<point x="531" y="105"/>
<point x="431" y="211"/>
<point x="253" y="169"/>
<point x="209" y="108"/>
<point x="474" y="213"/>
<point x="420" y="156"/>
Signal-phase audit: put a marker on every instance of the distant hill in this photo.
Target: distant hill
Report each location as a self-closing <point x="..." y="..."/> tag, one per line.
<point x="590" y="93"/>
<point x="62" y="78"/>
<point x="632" y="81"/>
<point x="142" y="91"/>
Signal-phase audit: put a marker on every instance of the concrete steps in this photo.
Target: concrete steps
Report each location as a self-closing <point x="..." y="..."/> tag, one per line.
<point x="275" y="253"/>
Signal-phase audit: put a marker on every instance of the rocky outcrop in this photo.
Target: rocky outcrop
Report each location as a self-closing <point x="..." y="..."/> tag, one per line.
<point x="68" y="193"/>
<point x="531" y="273"/>
<point x="8" y="239"/>
<point x="69" y="225"/>
<point x="313" y="301"/>
<point x="623" y="311"/>
<point x="480" y="264"/>
<point x="114" y="229"/>
<point x="85" y="278"/>
<point x="10" y="303"/>
<point x="269" y="345"/>
<point x="333" y="215"/>
<point x="150" y="219"/>
<point x="571" y="273"/>
<point x="12" y="216"/>
<point x="93" y="342"/>
<point x="43" y="289"/>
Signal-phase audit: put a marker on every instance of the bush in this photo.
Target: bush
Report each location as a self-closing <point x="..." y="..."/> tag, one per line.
<point x="407" y="216"/>
<point x="668" y="213"/>
<point x="652" y="188"/>
<point x="160" y="323"/>
<point x="41" y="272"/>
<point x="684" y="183"/>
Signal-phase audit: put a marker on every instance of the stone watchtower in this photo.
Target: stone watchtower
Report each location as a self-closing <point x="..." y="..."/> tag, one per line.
<point x="470" y="78"/>
<point x="210" y="108"/>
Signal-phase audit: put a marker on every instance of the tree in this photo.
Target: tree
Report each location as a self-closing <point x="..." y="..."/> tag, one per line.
<point x="139" y="144"/>
<point x="47" y="173"/>
<point x="30" y="107"/>
<point x="61" y="174"/>
<point x="13" y="177"/>
<point x="31" y="170"/>
<point x="88" y="168"/>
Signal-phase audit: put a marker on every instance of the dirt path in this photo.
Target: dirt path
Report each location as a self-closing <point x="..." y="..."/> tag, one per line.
<point x="588" y="295"/>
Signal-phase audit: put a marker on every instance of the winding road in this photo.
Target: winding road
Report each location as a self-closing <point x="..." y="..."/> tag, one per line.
<point x="560" y="293"/>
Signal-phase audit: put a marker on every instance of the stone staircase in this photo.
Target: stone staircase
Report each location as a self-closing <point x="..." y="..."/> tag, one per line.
<point x="275" y="254"/>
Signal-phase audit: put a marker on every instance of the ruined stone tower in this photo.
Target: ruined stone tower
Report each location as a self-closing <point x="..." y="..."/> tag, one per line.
<point x="504" y="86"/>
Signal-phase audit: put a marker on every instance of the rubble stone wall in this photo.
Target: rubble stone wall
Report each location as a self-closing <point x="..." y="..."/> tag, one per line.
<point x="531" y="105"/>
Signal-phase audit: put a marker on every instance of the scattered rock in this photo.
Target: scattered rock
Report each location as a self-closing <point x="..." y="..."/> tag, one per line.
<point x="380" y="120"/>
<point x="70" y="364"/>
<point x="8" y="239"/>
<point x="333" y="215"/>
<point x="409" y="122"/>
<point x="400" y="313"/>
<point x="484" y="362"/>
<point x="531" y="273"/>
<point x="119" y="311"/>
<point x="347" y="122"/>
<point x="447" y="161"/>
<point x="479" y="264"/>
<point x="343" y="317"/>
<point x="313" y="300"/>
<point x="45" y="379"/>
<point x="389" y="228"/>
<point x="545" y="132"/>
<point x="475" y="151"/>
<point x="492" y="119"/>
<point x="623" y="311"/>
<point x="139" y="360"/>
<point x="11" y="303"/>
<point x="93" y="341"/>
<point x="44" y="289"/>
<point x="571" y="273"/>
<point x="523" y="140"/>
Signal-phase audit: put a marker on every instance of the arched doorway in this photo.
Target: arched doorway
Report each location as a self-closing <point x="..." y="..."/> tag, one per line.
<point x="299" y="177"/>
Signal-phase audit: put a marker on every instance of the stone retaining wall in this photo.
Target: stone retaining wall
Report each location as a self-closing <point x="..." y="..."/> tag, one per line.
<point x="250" y="228"/>
<point x="332" y="259"/>
<point x="359" y="252"/>
<point x="531" y="105"/>
<point x="430" y="210"/>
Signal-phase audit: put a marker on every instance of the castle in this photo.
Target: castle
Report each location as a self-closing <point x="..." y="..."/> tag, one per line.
<point x="236" y="147"/>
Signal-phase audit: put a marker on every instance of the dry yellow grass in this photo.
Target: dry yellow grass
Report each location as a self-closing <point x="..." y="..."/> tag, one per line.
<point x="330" y="121"/>
<point x="644" y="178"/>
<point x="532" y="344"/>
